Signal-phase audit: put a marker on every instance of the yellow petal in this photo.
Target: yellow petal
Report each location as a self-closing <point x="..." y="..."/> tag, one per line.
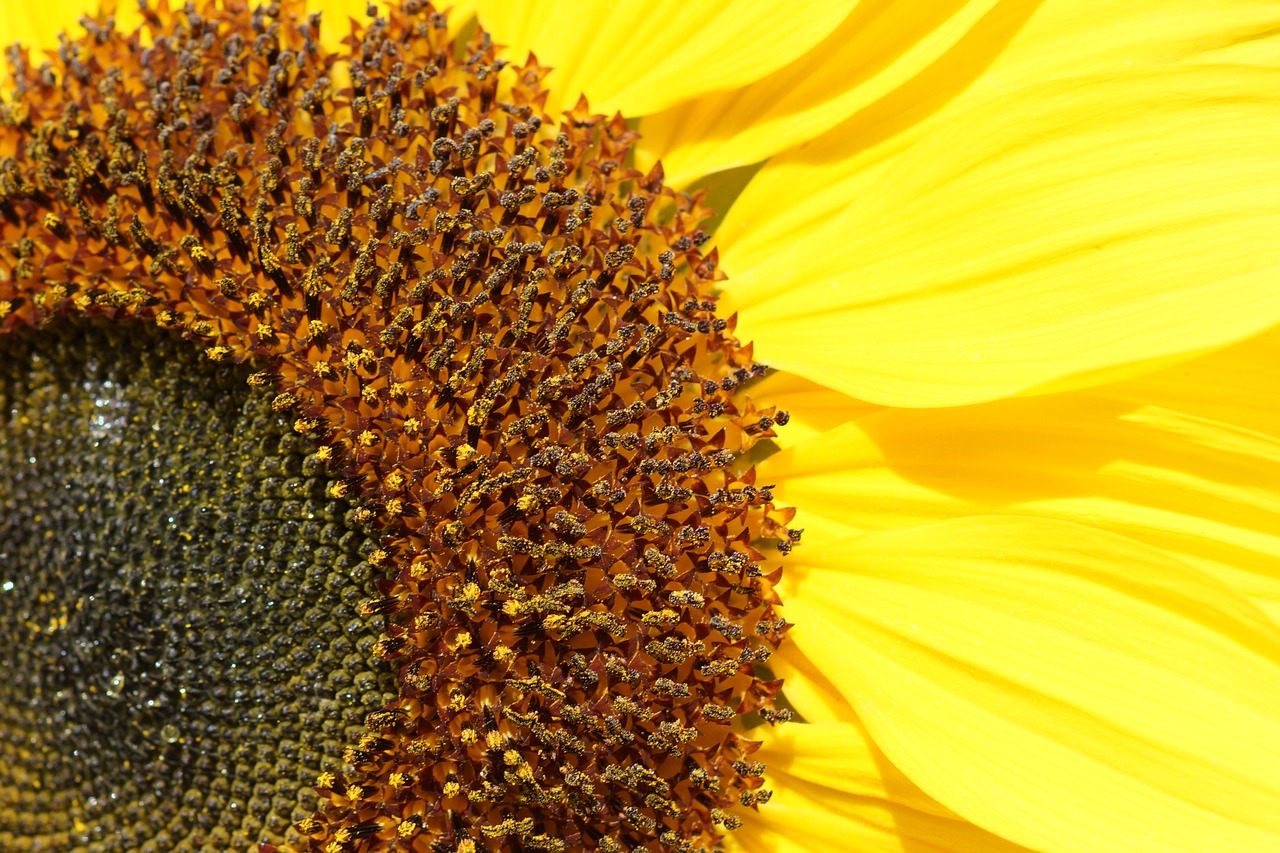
<point x="1092" y="206"/>
<point x="1144" y="458"/>
<point x="834" y="790"/>
<point x="338" y="14"/>
<point x="19" y="24"/>
<point x="38" y="27"/>
<point x="812" y="408"/>
<point x="1235" y="386"/>
<point x="1065" y="688"/>
<point x="640" y="56"/>
<point x="807" y="689"/>
<point x="879" y="47"/>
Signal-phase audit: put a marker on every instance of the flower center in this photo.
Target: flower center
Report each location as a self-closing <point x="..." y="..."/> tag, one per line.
<point x="163" y="536"/>
<point x="505" y="340"/>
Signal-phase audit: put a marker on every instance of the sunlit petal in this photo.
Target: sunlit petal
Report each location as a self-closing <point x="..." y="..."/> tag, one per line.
<point x="882" y="45"/>
<point x="1094" y="205"/>
<point x="37" y="26"/>
<point x="834" y="790"/>
<point x="1066" y="688"/>
<point x="1185" y="459"/>
<point x="640" y="56"/>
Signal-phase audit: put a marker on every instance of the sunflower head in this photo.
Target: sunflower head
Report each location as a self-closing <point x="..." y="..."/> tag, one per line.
<point x="499" y="341"/>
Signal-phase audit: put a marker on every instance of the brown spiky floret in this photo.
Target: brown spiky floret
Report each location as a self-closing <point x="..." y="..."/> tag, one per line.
<point x="507" y="337"/>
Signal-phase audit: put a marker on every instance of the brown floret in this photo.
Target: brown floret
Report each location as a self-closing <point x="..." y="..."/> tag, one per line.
<point x="508" y="338"/>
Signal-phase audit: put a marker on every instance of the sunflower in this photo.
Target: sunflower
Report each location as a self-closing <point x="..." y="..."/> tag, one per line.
<point x="487" y="429"/>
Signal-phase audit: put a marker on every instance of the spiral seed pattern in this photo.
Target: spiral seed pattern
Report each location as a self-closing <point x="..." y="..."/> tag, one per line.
<point x="504" y="338"/>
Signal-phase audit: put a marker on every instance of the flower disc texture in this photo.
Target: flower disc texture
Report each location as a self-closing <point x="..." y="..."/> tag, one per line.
<point x="504" y="340"/>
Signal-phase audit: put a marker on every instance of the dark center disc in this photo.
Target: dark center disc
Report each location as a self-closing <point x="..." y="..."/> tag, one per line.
<point x="179" y="643"/>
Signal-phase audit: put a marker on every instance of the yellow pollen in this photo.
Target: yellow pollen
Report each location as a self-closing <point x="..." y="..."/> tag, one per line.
<point x="504" y="340"/>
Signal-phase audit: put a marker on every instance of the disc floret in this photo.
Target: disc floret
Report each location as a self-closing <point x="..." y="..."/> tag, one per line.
<point x="504" y="338"/>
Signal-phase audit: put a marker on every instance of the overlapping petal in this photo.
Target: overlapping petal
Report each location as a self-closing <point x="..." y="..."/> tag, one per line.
<point x="1098" y="202"/>
<point x="878" y="48"/>
<point x="1066" y="688"/>
<point x="37" y="26"/>
<point x="1028" y="197"/>
<point x="809" y="692"/>
<point x="834" y="790"/>
<point x="641" y="56"/>
<point x="812" y="408"/>
<point x="1185" y="460"/>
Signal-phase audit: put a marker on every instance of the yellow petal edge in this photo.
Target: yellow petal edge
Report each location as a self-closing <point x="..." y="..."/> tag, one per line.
<point x="1064" y="688"/>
